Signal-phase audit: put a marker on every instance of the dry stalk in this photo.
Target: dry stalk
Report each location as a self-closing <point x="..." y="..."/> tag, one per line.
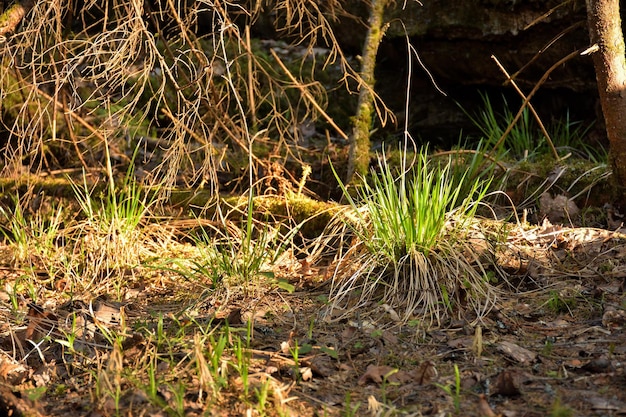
<point x="535" y="89"/>
<point x="530" y="107"/>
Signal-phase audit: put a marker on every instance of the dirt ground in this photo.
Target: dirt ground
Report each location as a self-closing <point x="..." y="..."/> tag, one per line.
<point x="554" y="345"/>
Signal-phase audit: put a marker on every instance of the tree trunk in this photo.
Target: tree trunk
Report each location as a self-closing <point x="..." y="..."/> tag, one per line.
<point x="605" y="31"/>
<point x="359" y="156"/>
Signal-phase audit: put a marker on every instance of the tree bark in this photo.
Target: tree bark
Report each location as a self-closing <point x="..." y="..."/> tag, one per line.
<point x="605" y="31"/>
<point x="359" y="155"/>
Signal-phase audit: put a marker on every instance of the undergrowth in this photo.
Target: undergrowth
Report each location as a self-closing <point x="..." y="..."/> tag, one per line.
<point x="411" y="243"/>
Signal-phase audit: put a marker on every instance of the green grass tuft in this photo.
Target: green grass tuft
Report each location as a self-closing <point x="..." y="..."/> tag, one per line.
<point x="411" y="245"/>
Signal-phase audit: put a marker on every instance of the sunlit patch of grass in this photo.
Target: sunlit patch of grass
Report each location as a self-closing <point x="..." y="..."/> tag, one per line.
<point x="522" y="141"/>
<point x="571" y="137"/>
<point x="559" y="410"/>
<point x="227" y="255"/>
<point x="410" y="246"/>
<point x="196" y="372"/>
<point x="111" y="226"/>
<point x="560" y="303"/>
<point x="526" y="140"/>
<point x="232" y="258"/>
<point x="33" y="238"/>
<point x="102" y="247"/>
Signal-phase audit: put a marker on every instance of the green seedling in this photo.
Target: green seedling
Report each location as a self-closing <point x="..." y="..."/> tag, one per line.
<point x="386" y="383"/>
<point x="559" y="304"/>
<point x="262" y="395"/>
<point x="349" y="409"/>
<point x="454" y="391"/>
<point x="178" y="393"/>
<point x="558" y="410"/>
<point x="242" y="365"/>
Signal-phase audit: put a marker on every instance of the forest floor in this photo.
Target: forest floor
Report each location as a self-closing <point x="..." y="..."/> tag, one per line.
<point x="554" y="344"/>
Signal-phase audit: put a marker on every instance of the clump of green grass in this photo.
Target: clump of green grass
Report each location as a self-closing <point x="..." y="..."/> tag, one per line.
<point x="410" y="247"/>
<point x="114" y="218"/>
<point x="526" y="140"/>
<point x="522" y="141"/>
<point x="238" y="256"/>
<point x="33" y="237"/>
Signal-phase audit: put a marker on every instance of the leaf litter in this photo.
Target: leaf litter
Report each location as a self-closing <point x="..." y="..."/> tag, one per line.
<point x="554" y="343"/>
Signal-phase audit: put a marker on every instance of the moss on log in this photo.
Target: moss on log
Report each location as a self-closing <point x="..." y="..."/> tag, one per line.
<point x="312" y="215"/>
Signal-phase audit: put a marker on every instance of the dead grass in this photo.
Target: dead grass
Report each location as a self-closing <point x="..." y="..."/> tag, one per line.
<point x="161" y="336"/>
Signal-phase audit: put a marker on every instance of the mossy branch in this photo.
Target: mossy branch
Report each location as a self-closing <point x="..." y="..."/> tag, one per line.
<point x="358" y="161"/>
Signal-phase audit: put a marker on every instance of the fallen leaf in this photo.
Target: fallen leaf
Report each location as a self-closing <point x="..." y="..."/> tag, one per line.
<point x="306" y="373"/>
<point x="507" y="384"/>
<point x="373" y="405"/>
<point x="348" y="333"/>
<point x="392" y="313"/>
<point x="607" y="404"/>
<point x="271" y="369"/>
<point x="389" y="338"/>
<point x="305" y="267"/>
<point x="16" y="405"/>
<point x="374" y="374"/>
<point x="322" y="365"/>
<point x="483" y="406"/>
<point x="613" y="318"/>
<point x="425" y="372"/>
<point x="464" y="342"/>
<point x="12" y="371"/>
<point x="232" y="319"/>
<point x="598" y="365"/>
<point x="40" y="322"/>
<point x="517" y="353"/>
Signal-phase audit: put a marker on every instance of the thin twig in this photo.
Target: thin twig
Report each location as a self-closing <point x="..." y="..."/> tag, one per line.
<point x="82" y="121"/>
<point x="535" y="89"/>
<point x="308" y="95"/>
<point x="547" y="46"/>
<point x="530" y="107"/>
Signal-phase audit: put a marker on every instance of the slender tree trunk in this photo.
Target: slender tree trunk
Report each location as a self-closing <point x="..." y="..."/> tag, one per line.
<point x="605" y="31"/>
<point x="359" y="156"/>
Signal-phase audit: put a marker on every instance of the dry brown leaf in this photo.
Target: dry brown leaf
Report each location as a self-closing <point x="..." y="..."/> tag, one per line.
<point x="348" y="333"/>
<point x="40" y="322"/>
<point x="463" y="342"/>
<point x="12" y="371"/>
<point x="322" y="365"/>
<point x="392" y="313"/>
<point x="16" y="405"/>
<point x="507" y="384"/>
<point x="483" y="406"/>
<point x="377" y="374"/>
<point x="389" y="337"/>
<point x="517" y="353"/>
<point x="306" y="373"/>
<point x="598" y="365"/>
<point x="305" y="267"/>
<point x="425" y="372"/>
<point x="613" y="318"/>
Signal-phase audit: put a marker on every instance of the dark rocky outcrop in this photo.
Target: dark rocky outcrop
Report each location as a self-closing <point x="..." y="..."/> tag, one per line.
<point x="455" y="40"/>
